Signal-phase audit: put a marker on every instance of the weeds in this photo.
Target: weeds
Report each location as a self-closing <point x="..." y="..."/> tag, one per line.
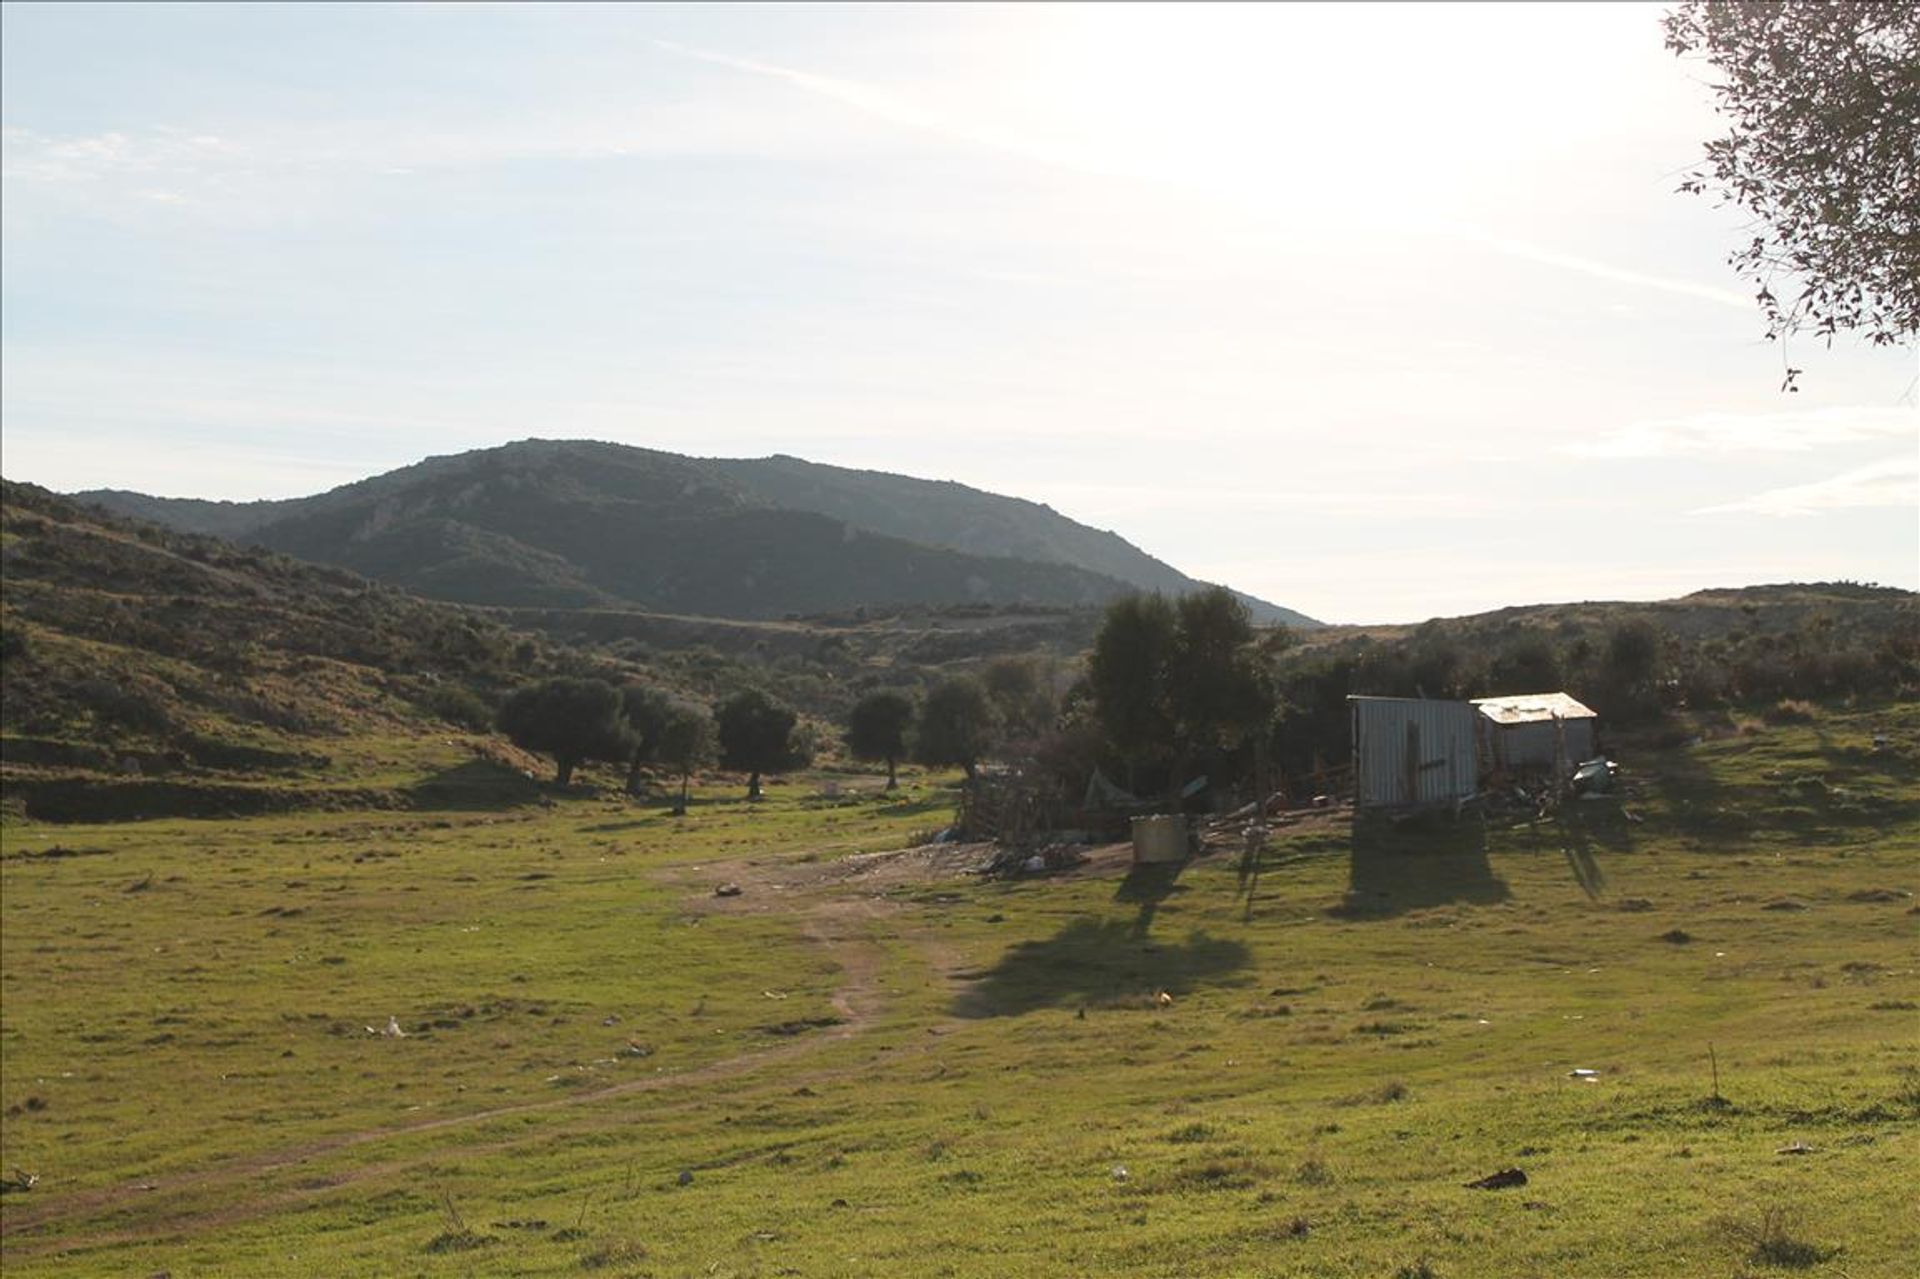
<point x="1769" y="1239"/>
<point x="1313" y="1172"/>
<point x="620" y="1252"/>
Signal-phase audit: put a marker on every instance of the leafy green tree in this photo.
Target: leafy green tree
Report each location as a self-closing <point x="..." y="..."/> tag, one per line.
<point x="1631" y="668"/>
<point x="877" y="729"/>
<point x="757" y="736"/>
<point x="1217" y="678"/>
<point x="1821" y="102"/>
<point x="570" y="719"/>
<point x="956" y="725"/>
<point x="1022" y="692"/>
<point x="1127" y="676"/>
<point x="685" y="742"/>
<point x="1172" y="680"/>
<point x="645" y="710"/>
<point x="1527" y="661"/>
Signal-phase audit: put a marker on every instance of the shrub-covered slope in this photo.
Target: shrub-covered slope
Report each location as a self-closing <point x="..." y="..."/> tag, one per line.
<point x="141" y="655"/>
<point x="575" y="524"/>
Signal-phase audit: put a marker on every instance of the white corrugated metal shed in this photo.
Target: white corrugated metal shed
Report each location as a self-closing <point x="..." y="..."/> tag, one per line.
<point x="1409" y="751"/>
<point x="1535" y="732"/>
<point x="1530" y="708"/>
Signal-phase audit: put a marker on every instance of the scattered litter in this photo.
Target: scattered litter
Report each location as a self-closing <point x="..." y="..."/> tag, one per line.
<point x="634" y="1048"/>
<point x="1016" y="861"/>
<point x="1501" y="1180"/>
<point x="1795" y="1148"/>
<point x="1120" y="1172"/>
<point x="611" y="1019"/>
<point x="774" y="994"/>
<point x="1595" y="777"/>
<point x="1581" y="1072"/>
<point x="392" y="1031"/>
<point x="686" y="1176"/>
<point x="1163" y="999"/>
<point x="18" y="1182"/>
<point x="728" y="889"/>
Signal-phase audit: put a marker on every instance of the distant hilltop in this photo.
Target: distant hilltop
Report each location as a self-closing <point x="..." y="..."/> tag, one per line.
<point x="580" y="524"/>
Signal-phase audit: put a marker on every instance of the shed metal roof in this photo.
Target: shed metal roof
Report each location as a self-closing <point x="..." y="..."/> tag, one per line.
<point x="1530" y="708"/>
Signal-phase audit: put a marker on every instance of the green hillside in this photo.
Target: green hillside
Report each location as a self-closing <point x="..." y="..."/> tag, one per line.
<point x="573" y="524"/>
<point x="149" y="671"/>
<point x="943" y="513"/>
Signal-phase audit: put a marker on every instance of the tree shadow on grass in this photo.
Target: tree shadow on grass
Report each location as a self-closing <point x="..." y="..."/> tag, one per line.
<point x="477" y="785"/>
<point x="1148" y="884"/>
<point x="1425" y="860"/>
<point x="1093" y="961"/>
<point x="1585" y="824"/>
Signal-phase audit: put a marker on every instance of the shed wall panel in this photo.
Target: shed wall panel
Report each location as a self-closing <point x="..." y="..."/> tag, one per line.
<point x="1530" y="746"/>
<point x="1409" y="751"/>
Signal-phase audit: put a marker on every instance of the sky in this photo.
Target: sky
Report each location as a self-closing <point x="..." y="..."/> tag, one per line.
<point x="1380" y="312"/>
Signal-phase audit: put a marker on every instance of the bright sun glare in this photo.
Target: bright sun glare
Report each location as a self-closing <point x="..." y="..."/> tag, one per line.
<point x="1332" y="110"/>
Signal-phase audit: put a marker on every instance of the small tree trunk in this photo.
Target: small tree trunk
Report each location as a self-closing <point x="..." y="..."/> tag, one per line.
<point x="634" y="788"/>
<point x="973" y="772"/>
<point x="680" y="809"/>
<point x="893" y="782"/>
<point x="753" y="785"/>
<point x="563" y="770"/>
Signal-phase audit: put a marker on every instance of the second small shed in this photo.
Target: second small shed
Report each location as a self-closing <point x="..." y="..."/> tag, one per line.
<point x="1534" y="732"/>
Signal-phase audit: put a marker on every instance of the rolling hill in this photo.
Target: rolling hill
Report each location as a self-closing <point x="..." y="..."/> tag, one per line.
<point x="577" y="524"/>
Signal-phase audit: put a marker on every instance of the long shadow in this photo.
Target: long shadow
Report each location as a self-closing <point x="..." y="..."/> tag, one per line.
<point x="1148" y="884"/>
<point x="1424" y="860"/>
<point x="1585" y="824"/>
<point x="477" y="785"/>
<point x="1097" y="961"/>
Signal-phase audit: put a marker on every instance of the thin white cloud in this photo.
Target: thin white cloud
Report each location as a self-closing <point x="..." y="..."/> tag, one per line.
<point x="1601" y="270"/>
<point x="854" y="94"/>
<point x="1891" y="481"/>
<point x="1736" y="433"/>
<point x="30" y="156"/>
<point x="896" y="109"/>
<point x="889" y="107"/>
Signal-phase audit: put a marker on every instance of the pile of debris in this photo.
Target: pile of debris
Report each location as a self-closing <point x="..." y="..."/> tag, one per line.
<point x="1011" y="862"/>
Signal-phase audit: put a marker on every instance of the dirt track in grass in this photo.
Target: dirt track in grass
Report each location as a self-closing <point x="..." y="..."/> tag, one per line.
<point x="838" y="904"/>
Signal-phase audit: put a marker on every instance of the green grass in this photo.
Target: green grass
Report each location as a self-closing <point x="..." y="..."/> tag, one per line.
<point x="1350" y="1032"/>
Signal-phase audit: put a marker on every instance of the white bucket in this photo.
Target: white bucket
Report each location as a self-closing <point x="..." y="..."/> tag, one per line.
<point x="1160" y="839"/>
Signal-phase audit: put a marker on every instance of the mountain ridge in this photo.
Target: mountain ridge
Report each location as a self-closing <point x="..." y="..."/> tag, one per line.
<point x="573" y="523"/>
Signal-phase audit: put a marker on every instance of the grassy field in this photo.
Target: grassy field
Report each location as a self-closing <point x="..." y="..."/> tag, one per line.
<point x="872" y="1064"/>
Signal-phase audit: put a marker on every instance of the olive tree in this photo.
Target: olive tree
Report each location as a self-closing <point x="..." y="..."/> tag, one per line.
<point x="645" y="710"/>
<point x="1822" y="104"/>
<point x="877" y="729"/>
<point x="686" y="741"/>
<point x="956" y="725"/>
<point x="757" y="736"/>
<point x="570" y="719"/>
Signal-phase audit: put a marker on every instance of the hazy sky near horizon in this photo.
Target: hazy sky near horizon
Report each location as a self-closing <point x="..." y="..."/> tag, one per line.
<point x="1377" y="311"/>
